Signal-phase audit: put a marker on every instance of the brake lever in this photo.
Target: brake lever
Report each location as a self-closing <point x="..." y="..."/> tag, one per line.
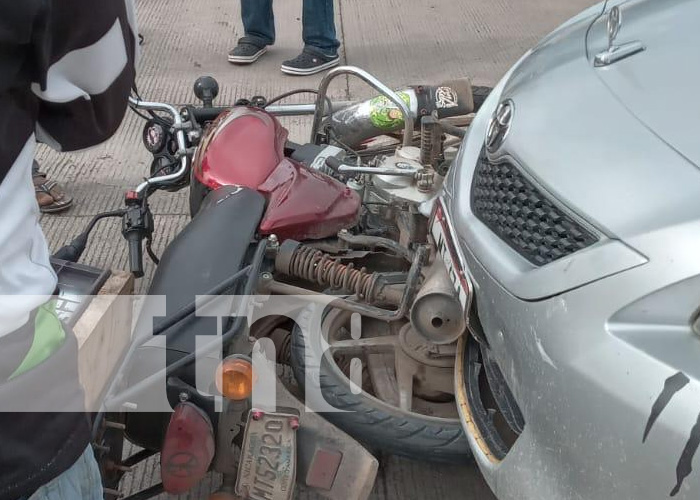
<point x="348" y="169"/>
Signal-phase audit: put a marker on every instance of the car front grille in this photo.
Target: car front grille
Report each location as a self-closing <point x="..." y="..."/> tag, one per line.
<point x="522" y="215"/>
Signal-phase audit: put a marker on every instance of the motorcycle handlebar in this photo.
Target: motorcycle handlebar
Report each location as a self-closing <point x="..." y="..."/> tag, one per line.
<point x="202" y="115"/>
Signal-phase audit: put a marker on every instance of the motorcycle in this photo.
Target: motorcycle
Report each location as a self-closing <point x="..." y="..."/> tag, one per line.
<point x="343" y="220"/>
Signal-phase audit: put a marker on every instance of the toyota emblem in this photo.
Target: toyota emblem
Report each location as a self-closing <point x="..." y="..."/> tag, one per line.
<point x="499" y="125"/>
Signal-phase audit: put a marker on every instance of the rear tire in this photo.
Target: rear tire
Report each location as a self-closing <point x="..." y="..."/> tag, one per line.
<point x="372" y="421"/>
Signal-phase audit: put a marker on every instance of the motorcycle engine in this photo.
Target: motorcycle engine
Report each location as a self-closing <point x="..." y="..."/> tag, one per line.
<point x="414" y="189"/>
<point x="405" y="201"/>
<point x="398" y="198"/>
<point x="396" y="206"/>
<point x="314" y="156"/>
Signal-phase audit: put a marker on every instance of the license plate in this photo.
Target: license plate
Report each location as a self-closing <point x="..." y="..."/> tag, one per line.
<point x="267" y="469"/>
<point x="447" y="248"/>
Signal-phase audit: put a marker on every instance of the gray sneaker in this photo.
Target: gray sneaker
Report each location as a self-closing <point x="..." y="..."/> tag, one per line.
<point x="246" y="52"/>
<point x="309" y="62"/>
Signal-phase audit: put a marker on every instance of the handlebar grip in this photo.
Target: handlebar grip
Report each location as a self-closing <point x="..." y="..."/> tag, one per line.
<point x="135" y="254"/>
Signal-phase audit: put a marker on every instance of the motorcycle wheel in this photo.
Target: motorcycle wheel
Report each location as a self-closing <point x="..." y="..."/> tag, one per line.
<point x="368" y="419"/>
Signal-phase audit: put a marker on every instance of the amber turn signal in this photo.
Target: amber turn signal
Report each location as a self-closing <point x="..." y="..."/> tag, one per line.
<point x="234" y="378"/>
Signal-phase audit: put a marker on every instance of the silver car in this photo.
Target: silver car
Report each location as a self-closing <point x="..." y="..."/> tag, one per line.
<point x="574" y="210"/>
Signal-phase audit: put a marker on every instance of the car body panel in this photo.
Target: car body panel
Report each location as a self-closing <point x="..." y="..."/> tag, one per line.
<point x="658" y="85"/>
<point x="586" y="387"/>
<point x="588" y="343"/>
<point x="590" y="143"/>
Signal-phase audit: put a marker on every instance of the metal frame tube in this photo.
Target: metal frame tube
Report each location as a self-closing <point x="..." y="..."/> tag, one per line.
<point x="303" y="109"/>
<point x="372" y="82"/>
<point x="350" y="169"/>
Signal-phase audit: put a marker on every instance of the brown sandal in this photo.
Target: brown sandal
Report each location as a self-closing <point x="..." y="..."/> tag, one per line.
<point x="50" y="195"/>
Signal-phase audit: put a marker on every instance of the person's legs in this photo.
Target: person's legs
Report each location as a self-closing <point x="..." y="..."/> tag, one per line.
<point x="50" y="195"/>
<point x="258" y="21"/>
<point x="319" y="26"/>
<point x="81" y="481"/>
<point x="259" y="28"/>
<point x="320" y="42"/>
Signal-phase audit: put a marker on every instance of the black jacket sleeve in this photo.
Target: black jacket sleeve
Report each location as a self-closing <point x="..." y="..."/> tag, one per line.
<point x="84" y="55"/>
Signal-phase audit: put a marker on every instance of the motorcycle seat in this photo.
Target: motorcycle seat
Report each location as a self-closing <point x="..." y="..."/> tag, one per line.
<point x="212" y="247"/>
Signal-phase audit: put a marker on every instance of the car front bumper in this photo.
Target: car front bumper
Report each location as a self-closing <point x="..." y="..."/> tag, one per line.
<point x="594" y="366"/>
<point x="587" y="396"/>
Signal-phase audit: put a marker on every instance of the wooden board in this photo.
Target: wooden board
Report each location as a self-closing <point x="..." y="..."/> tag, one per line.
<point x="103" y="332"/>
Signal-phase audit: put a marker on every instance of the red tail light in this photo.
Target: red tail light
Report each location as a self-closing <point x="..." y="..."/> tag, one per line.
<point x="188" y="449"/>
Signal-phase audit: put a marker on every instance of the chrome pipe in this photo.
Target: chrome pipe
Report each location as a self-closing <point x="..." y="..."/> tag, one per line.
<point x="372" y="82"/>
<point x="303" y="109"/>
<point x="349" y="169"/>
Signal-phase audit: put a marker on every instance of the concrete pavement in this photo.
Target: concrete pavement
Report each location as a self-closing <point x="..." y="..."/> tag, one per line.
<point x="400" y="41"/>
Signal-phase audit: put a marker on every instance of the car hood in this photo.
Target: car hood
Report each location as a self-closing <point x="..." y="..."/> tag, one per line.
<point x="615" y="144"/>
<point x="659" y="85"/>
<point x="594" y="141"/>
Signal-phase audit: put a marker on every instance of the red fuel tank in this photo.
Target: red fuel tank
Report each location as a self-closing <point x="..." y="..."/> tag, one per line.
<point x="245" y="147"/>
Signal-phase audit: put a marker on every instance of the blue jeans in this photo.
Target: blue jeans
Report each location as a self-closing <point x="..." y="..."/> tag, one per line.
<point x="82" y="481"/>
<point x="317" y="20"/>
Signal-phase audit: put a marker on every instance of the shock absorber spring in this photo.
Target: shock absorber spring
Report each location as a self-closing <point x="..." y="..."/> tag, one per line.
<point x="307" y="263"/>
<point x="430" y="141"/>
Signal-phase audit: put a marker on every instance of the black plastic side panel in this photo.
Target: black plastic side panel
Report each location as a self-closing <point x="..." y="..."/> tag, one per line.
<point x="210" y="249"/>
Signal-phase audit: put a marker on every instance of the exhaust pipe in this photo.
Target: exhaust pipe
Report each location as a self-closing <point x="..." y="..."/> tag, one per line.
<point x="377" y="116"/>
<point x="436" y="314"/>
